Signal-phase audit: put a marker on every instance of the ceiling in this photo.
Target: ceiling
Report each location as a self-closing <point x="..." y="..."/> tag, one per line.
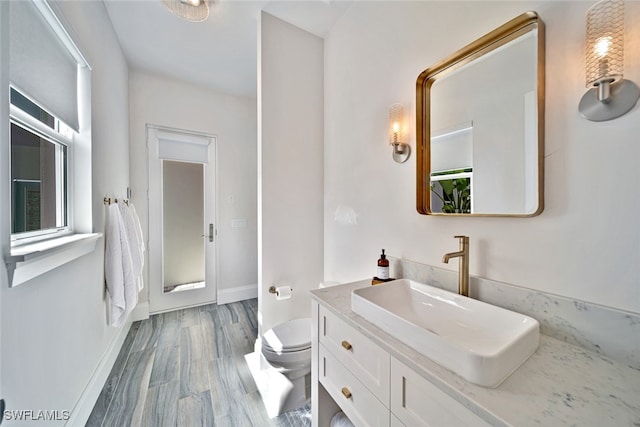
<point x="219" y="53"/>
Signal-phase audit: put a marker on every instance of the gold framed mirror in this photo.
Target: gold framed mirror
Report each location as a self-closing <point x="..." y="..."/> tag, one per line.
<point x="480" y="126"/>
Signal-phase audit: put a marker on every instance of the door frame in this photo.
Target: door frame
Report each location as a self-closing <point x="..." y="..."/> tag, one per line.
<point x="164" y="143"/>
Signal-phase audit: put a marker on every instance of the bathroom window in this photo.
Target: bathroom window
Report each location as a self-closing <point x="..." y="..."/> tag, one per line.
<point x="49" y="205"/>
<point x="39" y="170"/>
<point x="50" y="150"/>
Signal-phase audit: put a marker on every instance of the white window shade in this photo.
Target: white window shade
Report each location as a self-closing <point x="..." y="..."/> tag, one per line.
<point x="186" y="148"/>
<point x="41" y="65"/>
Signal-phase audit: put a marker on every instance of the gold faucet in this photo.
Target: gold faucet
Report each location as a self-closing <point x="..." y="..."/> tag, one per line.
<point x="463" y="269"/>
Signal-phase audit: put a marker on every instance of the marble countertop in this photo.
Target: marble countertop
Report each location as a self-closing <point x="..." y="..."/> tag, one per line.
<point x="559" y="385"/>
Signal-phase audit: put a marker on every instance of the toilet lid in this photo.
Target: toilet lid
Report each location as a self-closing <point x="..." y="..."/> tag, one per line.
<point x="294" y="335"/>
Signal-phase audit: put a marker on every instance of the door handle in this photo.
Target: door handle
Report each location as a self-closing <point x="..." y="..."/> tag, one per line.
<point x="211" y="233"/>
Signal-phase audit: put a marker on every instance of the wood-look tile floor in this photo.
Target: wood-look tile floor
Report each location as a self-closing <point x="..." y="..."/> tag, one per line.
<point x="186" y="369"/>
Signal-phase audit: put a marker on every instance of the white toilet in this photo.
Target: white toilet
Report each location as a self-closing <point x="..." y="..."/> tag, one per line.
<point x="282" y="368"/>
<point x="287" y="347"/>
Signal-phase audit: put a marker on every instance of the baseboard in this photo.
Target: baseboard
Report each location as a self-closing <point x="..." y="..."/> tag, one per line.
<point x="141" y="312"/>
<point x="241" y="293"/>
<point x="89" y="397"/>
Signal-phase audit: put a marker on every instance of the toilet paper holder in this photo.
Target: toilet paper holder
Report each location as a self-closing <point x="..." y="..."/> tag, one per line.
<point x="272" y="289"/>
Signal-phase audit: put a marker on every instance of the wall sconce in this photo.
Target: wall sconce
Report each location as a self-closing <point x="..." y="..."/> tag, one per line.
<point x="609" y="96"/>
<point x="401" y="150"/>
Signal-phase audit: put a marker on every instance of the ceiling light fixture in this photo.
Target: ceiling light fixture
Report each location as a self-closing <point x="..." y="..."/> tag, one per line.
<point x="191" y="10"/>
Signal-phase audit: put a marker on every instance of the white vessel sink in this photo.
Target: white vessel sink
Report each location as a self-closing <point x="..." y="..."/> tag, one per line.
<point x="480" y="342"/>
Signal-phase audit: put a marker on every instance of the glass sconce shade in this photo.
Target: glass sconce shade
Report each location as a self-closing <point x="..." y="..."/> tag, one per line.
<point x="395" y="124"/>
<point x="609" y="95"/>
<point x="605" y="42"/>
<point x="401" y="150"/>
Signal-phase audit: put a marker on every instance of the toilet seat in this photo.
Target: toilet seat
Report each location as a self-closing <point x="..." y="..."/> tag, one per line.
<point x="289" y="337"/>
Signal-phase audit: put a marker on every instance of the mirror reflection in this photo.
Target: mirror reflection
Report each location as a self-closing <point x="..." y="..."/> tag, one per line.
<point x="480" y="126"/>
<point x="182" y="219"/>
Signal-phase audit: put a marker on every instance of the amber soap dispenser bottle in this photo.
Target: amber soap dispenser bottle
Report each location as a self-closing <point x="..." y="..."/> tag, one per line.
<point x="383" y="267"/>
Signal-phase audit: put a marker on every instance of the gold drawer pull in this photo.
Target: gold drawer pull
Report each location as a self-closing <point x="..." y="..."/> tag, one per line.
<point x="346" y="392"/>
<point x="346" y="345"/>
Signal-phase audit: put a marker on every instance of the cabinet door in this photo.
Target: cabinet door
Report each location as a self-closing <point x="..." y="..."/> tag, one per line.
<point x="362" y="357"/>
<point x="357" y="402"/>
<point x="417" y="402"/>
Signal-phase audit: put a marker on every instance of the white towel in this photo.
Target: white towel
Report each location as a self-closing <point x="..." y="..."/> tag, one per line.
<point x="119" y="274"/>
<point x="114" y="275"/>
<point x="138" y="227"/>
<point x="140" y="239"/>
<point x="340" y="420"/>
<point x="135" y="249"/>
<point x="130" y="285"/>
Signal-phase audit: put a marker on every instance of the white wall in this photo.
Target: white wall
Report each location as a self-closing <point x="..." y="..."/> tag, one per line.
<point x="584" y="245"/>
<point x="54" y="327"/>
<point x="232" y="119"/>
<point x="290" y="91"/>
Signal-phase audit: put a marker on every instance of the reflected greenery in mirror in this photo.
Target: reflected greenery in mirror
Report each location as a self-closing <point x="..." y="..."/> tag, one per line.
<point x="452" y="190"/>
<point x="480" y="124"/>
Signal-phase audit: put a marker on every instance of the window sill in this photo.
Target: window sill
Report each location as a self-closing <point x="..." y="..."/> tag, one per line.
<point x="32" y="260"/>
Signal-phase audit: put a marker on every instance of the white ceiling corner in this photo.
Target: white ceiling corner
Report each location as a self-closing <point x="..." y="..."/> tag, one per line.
<point x="219" y="53"/>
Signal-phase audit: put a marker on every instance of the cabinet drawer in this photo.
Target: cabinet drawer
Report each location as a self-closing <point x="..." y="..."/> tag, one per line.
<point x="417" y="402"/>
<point x="358" y="403"/>
<point x="364" y="359"/>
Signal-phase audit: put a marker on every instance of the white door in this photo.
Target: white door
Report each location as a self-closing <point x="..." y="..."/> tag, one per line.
<point x="182" y="227"/>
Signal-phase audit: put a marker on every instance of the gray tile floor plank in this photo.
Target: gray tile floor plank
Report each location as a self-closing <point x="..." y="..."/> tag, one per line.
<point x="148" y="333"/>
<point x="226" y="386"/>
<point x="214" y="342"/>
<point x="190" y="316"/>
<point x="187" y="368"/>
<point x="161" y="406"/>
<point x="244" y="374"/>
<point x="194" y="377"/>
<point x="239" y="340"/>
<point x="251" y="309"/>
<point x="196" y="410"/>
<point x="164" y="366"/>
<point x="256" y="412"/>
<point x="225" y="315"/>
<point x="129" y="399"/>
<point x="207" y="307"/>
<point x="192" y="343"/>
<point x="170" y="331"/>
<point x="106" y="395"/>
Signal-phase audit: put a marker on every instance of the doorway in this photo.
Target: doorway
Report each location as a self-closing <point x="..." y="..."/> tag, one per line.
<point x="182" y="232"/>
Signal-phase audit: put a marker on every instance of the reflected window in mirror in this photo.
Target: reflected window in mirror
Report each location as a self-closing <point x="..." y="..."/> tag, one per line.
<point x="452" y="169"/>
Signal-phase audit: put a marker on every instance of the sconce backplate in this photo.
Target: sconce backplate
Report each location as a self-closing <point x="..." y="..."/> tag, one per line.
<point x="401" y="152"/>
<point x="624" y="95"/>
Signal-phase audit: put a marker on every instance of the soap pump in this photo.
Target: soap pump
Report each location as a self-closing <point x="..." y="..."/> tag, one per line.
<point x="383" y="267"/>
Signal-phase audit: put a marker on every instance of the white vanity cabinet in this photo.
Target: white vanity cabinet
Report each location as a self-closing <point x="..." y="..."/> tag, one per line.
<point x="417" y="402"/>
<point x="354" y="374"/>
<point x="359" y="355"/>
<point x="357" y="402"/>
<point x="353" y="370"/>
